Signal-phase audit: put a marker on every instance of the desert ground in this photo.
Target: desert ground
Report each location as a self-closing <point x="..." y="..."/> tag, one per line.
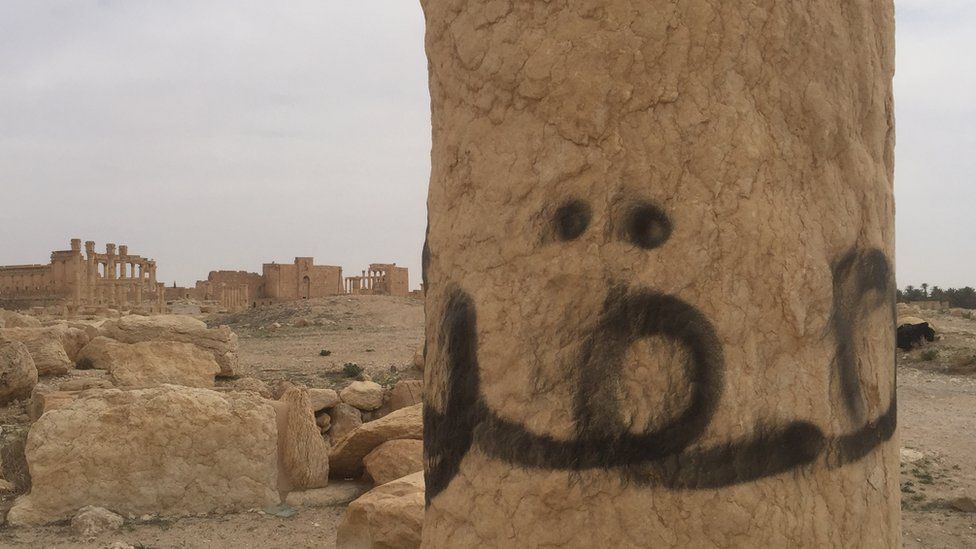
<point x="936" y="393"/>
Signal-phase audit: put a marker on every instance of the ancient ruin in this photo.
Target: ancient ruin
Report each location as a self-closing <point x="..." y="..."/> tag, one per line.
<point x="303" y="279"/>
<point x="114" y="279"/>
<point x="380" y="279"/>
<point x="659" y="275"/>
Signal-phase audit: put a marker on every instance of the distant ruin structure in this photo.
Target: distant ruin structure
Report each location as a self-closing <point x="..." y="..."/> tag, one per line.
<point x="380" y="279"/>
<point x="302" y="279"/>
<point x="115" y="279"/>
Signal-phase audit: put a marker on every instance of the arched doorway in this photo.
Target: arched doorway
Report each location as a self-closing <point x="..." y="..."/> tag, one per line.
<point x="306" y="289"/>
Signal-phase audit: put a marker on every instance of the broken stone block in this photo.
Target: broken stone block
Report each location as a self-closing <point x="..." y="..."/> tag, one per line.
<point x="394" y="459"/>
<point x="391" y="515"/>
<point x="346" y="459"/>
<point x="120" y="450"/>
<point x="18" y="375"/>
<point x="365" y="395"/>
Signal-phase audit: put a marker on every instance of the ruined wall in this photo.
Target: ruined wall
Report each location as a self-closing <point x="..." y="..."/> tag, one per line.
<point x="254" y="281"/>
<point x="301" y="280"/>
<point x="659" y="275"/>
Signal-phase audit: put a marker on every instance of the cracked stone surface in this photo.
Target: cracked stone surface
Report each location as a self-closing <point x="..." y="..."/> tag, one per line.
<point x="666" y="218"/>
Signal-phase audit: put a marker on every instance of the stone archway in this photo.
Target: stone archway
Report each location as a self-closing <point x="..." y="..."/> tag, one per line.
<point x="306" y="288"/>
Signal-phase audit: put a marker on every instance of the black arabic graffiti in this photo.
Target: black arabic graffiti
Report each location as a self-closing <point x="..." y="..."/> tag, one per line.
<point x="663" y="456"/>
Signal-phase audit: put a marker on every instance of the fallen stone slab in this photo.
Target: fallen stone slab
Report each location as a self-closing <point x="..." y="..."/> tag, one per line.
<point x="151" y="363"/>
<point x="345" y="419"/>
<point x="45" y="347"/>
<point x="391" y="515"/>
<point x="365" y="395"/>
<point x="169" y="451"/>
<point x="340" y="492"/>
<point x="18" y="375"/>
<point x="405" y="393"/>
<point x="222" y="342"/>
<point x="346" y="459"/>
<point x="303" y="453"/>
<point x="394" y="459"/>
<point x="12" y="319"/>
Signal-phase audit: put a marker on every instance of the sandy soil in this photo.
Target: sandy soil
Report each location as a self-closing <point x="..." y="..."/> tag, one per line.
<point x="937" y="399"/>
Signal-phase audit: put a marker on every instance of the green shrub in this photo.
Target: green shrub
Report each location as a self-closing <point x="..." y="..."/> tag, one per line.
<point x="351" y="369"/>
<point x="325" y="352"/>
<point x="928" y="355"/>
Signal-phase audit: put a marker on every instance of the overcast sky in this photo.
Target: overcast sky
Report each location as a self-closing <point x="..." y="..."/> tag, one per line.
<point x="225" y="134"/>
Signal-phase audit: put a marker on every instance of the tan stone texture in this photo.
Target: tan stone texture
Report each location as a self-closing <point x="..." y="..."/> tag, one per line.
<point x="152" y="363"/>
<point x="405" y="393"/>
<point x="18" y="375"/>
<point x="12" y="319"/>
<point x="45" y="346"/>
<point x="222" y="342"/>
<point x="365" y="395"/>
<point x="659" y="283"/>
<point x="321" y="399"/>
<point x="344" y="418"/>
<point x="394" y="459"/>
<point x="167" y="450"/>
<point x="97" y="354"/>
<point x="340" y="492"/>
<point x="390" y="516"/>
<point x="348" y="452"/>
<point x="304" y="453"/>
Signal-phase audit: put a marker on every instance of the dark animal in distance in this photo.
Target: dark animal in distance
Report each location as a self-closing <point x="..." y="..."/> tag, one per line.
<point x="910" y="335"/>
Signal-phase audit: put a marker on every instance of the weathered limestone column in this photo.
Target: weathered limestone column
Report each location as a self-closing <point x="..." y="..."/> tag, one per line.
<point x="659" y="275"/>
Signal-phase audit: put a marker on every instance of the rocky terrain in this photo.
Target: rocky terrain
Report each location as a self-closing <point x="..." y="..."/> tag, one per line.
<point x="312" y="343"/>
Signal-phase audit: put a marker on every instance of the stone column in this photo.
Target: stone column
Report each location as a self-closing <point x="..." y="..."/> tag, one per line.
<point x="110" y="262"/>
<point x="659" y="275"/>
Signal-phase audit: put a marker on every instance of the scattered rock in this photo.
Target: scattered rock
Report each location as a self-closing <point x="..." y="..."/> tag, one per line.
<point x="391" y="515"/>
<point x="11" y="319"/>
<point x="418" y="360"/>
<point x="83" y="384"/>
<point x="324" y="421"/>
<point x="304" y="453"/>
<point x="45" y="399"/>
<point x="72" y="339"/>
<point x="45" y="347"/>
<point x="7" y="487"/>
<point x="339" y="492"/>
<point x="394" y="459"/>
<point x="346" y="459"/>
<point x="18" y="375"/>
<point x="404" y="393"/>
<point x="97" y="355"/>
<point x="911" y="456"/>
<point x="153" y="363"/>
<point x="321" y="399"/>
<point x="345" y="418"/>
<point x="94" y="450"/>
<point x="963" y="504"/>
<point x="222" y="342"/>
<point x="253" y="385"/>
<point x="365" y="395"/>
<point x="93" y="521"/>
